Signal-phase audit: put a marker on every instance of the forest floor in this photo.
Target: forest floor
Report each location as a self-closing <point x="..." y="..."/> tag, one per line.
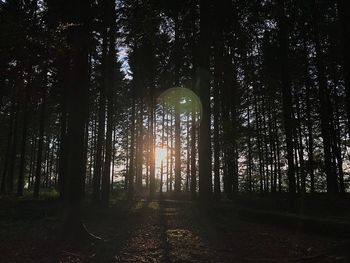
<point x="159" y="231"/>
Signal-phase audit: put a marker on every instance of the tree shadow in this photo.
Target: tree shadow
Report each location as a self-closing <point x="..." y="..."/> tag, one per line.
<point x="114" y="225"/>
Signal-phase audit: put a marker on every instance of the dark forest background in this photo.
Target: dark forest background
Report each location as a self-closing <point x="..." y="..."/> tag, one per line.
<point x="82" y="114"/>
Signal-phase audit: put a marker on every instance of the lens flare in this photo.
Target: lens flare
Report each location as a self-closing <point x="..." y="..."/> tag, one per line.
<point x="182" y="99"/>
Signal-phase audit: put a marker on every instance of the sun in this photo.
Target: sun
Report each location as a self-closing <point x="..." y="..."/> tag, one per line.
<point x="161" y="155"/>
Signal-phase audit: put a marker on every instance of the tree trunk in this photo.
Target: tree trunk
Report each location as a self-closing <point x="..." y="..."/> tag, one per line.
<point x="152" y="173"/>
<point x="13" y="152"/>
<point x="193" y="184"/>
<point x="203" y="78"/>
<point x="216" y="110"/>
<point x="193" y="180"/>
<point x="171" y="151"/>
<point x="344" y="9"/>
<point x="258" y="137"/>
<point x="249" y="167"/>
<point x="177" y="185"/>
<point x="63" y="150"/>
<point x="310" y="145"/>
<point x="22" y="165"/>
<point x="40" y="144"/>
<point x="139" y="147"/>
<point x="286" y="96"/>
<point x="78" y="36"/>
<point x="105" y="186"/>
<point x="162" y="146"/>
<point x="325" y="106"/>
<point x="301" y="151"/>
<point x="132" y="150"/>
<point x="188" y="155"/>
<point x="96" y="187"/>
<point x="10" y="137"/>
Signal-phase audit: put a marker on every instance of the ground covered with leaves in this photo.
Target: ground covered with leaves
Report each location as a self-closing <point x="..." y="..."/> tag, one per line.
<point x="160" y="230"/>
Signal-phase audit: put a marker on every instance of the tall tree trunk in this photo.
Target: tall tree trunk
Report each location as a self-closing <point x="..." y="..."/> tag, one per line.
<point x="162" y="147"/>
<point x="171" y="150"/>
<point x="96" y="184"/>
<point x="188" y="154"/>
<point x="203" y="79"/>
<point x="258" y="137"/>
<point x="217" y="86"/>
<point x="32" y="161"/>
<point x="286" y="96"/>
<point x="105" y="186"/>
<point x="228" y="108"/>
<point x="310" y="145"/>
<point x="22" y="165"/>
<point x="148" y="150"/>
<point x="232" y="31"/>
<point x="177" y="186"/>
<point x="10" y="137"/>
<point x="344" y="9"/>
<point x="13" y="153"/>
<point x="63" y="150"/>
<point x="275" y="148"/>
<point x="131" y="171"/>
<point x="337" y="141"/>
<point x="193" y="43"/>
<point x="127" y="156"/>
<point x="86" y="139"/>
<point x="325" y="106"/>
<point x="152" y="173"/>
<point x="167" y="147"/>
<point x="271" y="146"/>
<point x="113" y="158"/>
<point x="249" y="142"/>
<point x="78" y="36"/>
<point x="278" y="153"/>
<point x="40" y="144"/>
<point x="193" y="184"/>
<point x="266" y="176"/>
<point x="139" y="147"/>
<point x="301" y="151"/>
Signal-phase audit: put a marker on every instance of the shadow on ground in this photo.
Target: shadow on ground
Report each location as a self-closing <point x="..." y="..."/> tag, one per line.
<point x="162" y="231"/>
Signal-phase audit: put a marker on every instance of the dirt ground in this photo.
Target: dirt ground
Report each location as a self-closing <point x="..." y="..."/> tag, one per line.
<point x="161" y="231"/>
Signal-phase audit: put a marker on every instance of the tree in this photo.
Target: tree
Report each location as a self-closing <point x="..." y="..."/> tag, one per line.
<point x="78" y="38"/>
<point x="325" y="107"/>
<point x="203" y="78"/>
<point x="286" y="95"/>
<point x="110" y="103"/>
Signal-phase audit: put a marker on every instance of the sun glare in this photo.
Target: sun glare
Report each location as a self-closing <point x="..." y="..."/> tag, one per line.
<point x="160" y="155"/>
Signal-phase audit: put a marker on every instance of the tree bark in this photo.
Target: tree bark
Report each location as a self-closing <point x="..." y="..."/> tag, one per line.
<point x="218" y="56"/>
<point x="325" y="105"/>
<point x="344" y="9"/>
<point x="22" y="165"/>
<point x="40" y="144"/>
<point x="203" y="78"/>
<point x="78" y="38"/>
<point x="10" y="137"/>
<point x="96" y="183"/>
<point x="286" y="96"/>
<point x="105" y="186"/>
